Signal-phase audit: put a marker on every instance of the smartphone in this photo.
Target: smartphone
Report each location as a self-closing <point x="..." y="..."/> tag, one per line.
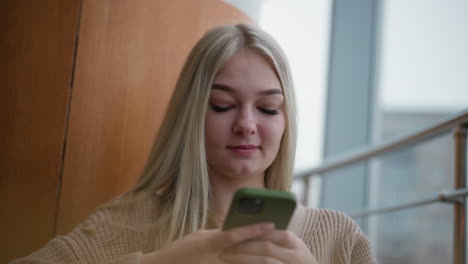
<point x="251" y="206"/>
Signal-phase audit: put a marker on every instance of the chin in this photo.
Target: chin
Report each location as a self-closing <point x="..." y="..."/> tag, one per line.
<point x="246" y="172"/>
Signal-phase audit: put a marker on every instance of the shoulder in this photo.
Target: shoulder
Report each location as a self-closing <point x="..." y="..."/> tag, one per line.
<point x="119" y="214"/>
<point x="336" y="236"/>
<point x="327" y="224"/>
<point x="133" y="209"/>
<point x="120" y="228"/>
<point x="307" y="222"/>
<point x="335" y="221"/>
<point x="123" y="214"/>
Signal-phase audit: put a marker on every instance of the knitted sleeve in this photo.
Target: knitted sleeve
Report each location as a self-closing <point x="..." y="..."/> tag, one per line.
<point x="336" y="239"/>
<point x="111" y="235"/>
<point x="102" y="238"/>
<point x="55" y="251"/>
<point x="68" y="250"/>
<point x="360" y="250"/>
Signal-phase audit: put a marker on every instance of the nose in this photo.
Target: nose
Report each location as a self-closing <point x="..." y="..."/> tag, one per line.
<point x="245" y="125"/>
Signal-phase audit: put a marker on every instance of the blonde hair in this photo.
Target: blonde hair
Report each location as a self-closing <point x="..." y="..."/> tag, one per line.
<point x="177" y="164"/>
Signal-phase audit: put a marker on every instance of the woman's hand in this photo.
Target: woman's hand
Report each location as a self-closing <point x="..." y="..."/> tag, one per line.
<point x="278" y="247"/>
<point x="206" y="246"/>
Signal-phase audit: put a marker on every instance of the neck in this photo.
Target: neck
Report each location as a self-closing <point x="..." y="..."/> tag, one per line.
<point x="223" y="189"/>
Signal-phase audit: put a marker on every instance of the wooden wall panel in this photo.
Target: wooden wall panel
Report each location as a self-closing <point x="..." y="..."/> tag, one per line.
<point x="37" y="41"/>
<point x="129" y="56"/>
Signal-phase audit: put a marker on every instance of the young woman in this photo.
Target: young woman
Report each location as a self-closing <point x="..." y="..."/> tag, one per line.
<point x="230" y="124"/>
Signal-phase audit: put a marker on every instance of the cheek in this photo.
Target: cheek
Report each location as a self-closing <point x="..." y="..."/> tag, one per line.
<point x="209" y="127"/>
<point x="274" y="131"/>
<point x="215" y="128"/>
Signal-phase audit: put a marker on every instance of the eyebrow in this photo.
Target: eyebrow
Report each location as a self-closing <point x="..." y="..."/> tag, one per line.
<point x="227" y="88"/>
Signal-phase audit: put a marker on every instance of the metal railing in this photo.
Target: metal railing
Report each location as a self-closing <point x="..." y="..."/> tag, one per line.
<point x="458" y="124"/>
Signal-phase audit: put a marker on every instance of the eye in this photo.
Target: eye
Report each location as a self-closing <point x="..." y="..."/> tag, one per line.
<point x="219" y="108"/>
<point x="269" y="111"/>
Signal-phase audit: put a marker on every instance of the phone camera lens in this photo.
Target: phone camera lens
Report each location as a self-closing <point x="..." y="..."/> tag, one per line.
<point x="250" y="205"/>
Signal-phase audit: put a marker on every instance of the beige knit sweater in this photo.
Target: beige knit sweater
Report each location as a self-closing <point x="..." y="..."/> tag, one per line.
<point x="331" y="237"/>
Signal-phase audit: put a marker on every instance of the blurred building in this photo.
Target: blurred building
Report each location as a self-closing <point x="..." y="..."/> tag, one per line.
<point x="421" y="235"/>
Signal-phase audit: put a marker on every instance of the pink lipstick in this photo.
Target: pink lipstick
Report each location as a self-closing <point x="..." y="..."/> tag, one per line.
<point x="243" y="149"/>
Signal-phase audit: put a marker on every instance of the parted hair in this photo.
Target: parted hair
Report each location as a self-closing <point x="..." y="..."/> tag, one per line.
<point x="176" y="168"/>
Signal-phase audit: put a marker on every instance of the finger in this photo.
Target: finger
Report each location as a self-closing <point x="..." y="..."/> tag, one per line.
<point x="263" y="248"/>
<point x="237" y="235"/>
<point x="283" y="238"/>
<point x="251" y="259"/>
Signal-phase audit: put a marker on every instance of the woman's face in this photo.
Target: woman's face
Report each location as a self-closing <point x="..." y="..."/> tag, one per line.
<point x="245" y="120"/>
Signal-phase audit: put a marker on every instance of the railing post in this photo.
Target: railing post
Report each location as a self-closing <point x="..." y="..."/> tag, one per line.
<point x="306" y="193"/>
<point x="459" y="231"/>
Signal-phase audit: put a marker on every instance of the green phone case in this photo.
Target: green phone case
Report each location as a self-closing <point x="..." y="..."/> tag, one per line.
<point x="276" y="207"/>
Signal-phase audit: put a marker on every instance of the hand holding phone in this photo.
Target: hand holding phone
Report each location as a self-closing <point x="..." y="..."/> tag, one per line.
<point x="251" y="206"/>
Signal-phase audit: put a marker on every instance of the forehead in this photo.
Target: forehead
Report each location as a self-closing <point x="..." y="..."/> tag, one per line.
<point x="248" y="68"/>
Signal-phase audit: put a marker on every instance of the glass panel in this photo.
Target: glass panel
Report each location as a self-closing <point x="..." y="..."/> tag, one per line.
<point x="411" y="174"/>
<point x="422" y="64"/>
<point x="414" y="236"/>
<point x="345" y="190"/>
<point x="419" y="235"/>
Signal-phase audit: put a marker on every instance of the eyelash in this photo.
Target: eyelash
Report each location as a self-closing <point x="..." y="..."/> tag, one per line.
<point x="225" y="109"/>
<point x="269" y="112"/>
<point x="219" y="109"/>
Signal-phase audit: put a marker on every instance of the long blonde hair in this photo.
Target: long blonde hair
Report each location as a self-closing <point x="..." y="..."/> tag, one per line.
<point x="177" y="164"/>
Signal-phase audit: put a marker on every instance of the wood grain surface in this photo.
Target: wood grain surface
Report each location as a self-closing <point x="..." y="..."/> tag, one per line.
<point x="37" y="40"/>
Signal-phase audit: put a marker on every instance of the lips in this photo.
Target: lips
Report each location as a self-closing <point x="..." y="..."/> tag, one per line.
<point x="243" y="149"/>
